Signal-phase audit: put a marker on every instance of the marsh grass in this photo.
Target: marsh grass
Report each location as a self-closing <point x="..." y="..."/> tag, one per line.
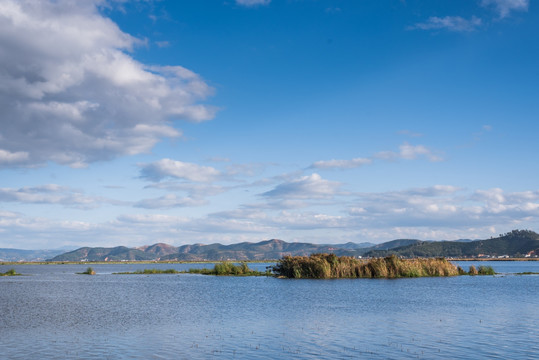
<point x="330" y="266"/>
<point x="89" y="271"/>
<point x="485" y="270"/>
<point x="473" y="271"/>
<point x="149" y="272"/>
<point x="229" y="269"/>
<point x="10" y="272"/>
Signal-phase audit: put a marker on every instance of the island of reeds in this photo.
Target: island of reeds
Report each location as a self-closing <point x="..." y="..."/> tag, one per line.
<point x="10" y="272"/>
<point x="88" y="271"/>
<point x="330" y="266"/>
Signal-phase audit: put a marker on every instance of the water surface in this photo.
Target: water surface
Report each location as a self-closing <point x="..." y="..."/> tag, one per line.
<point x="54" y="313"/>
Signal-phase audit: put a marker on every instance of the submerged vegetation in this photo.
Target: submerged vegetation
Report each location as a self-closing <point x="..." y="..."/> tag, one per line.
<point x="330" y="266"/>
<point x="149" y="271"/>
<point x="10" y="272"/>
<point x="229" y="269"/>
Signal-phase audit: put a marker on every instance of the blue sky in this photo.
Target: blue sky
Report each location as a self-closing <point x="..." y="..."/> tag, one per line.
<point x="136" y="122"/>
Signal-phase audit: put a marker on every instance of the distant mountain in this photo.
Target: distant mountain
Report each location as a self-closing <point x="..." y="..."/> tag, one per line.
<point x="269" y="249"/>
<point x="159" y="250"/>
<point x="395" y="244"/>
<point x="117" y="253"/>
<point x="353" y="246"/>
<point x="516" y="243"/>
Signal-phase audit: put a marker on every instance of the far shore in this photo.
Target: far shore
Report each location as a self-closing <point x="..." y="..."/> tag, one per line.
<point x="492" y="259"/>
<point x="131" y="262"/>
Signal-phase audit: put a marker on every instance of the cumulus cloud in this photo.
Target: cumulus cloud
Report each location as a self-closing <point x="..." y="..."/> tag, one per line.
<point x="52" y="194"/>
<point x="71" y="93"/>
<point x="445" y="206"/>
<point x="505" y="7"/>
<point x="437" y="212"/>
<point x="164" y="168"/>
<point x="306" y="187"/>
<point x="450" y="23"/>
<point x="250" y="3"/>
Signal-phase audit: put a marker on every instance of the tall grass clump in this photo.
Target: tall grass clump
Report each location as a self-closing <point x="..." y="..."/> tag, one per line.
<point x="473" y="270"/>
<point x="485" y="270"/>
<point x="10" y="272"/>
<point x="227" y="268"/>
<point x="329" y="266"/>
<point x="89" y="271"/>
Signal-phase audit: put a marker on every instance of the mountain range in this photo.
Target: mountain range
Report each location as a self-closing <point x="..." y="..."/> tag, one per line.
<point x="517" y="243"/>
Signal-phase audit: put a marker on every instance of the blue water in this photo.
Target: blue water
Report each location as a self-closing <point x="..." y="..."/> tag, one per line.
<point x="54" y="313"/>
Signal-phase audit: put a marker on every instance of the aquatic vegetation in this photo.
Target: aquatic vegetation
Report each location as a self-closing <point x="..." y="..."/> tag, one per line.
<point x="10" y="272"/>
<point x="473" y="270"/>
<point x="89" y="271"/>
<point x="229" y="269"/>
<point x="485" y="270"/>
<point x="330" y="266"/>
<point x="149" y="271"/>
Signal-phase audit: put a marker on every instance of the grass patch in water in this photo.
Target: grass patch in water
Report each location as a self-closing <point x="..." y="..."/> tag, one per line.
<point x="10" y="272"/>
<point x="330" y="266"/>
<point x="89" y="271"/>
<point x="485" y="270"/>
<point x="149" y="272"/>
<point x="229" y="269"/>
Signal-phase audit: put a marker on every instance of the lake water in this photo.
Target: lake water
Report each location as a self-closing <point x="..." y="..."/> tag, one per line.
<point x="54" y="313"/>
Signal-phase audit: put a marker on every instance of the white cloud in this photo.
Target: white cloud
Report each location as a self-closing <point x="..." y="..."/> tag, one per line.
<point x="192" y="189"/>
<point x="505" y="7"/>
<point x="445" y="206"/>
<point x="54" y="195"/>
<point x="8" y="157"/>
<point x="341" y="164"/>
<point x="308" y="220"/>
<point x="306" y="187"/>
<point x="169" y="201"/>
<point x="436" y="212"/>
<point x="178" y="169"/>
<point x="252" y="2"/>
<point x="71" y="93"/>
<point x="450" y="23"/>
<point x="409" y="152"/>
<point x="406" y="152"/>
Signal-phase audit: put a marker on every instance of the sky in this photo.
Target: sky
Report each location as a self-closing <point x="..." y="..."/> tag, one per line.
<point x="325" y="121"/>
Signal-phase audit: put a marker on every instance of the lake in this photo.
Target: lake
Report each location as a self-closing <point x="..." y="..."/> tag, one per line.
<point x="53" y="313"/>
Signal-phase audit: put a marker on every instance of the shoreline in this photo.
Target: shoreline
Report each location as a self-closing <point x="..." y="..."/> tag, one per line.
<point x="131" y="262"/>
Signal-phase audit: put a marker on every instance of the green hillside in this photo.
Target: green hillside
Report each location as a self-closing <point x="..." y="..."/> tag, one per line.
<point x="516" y="243"/>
